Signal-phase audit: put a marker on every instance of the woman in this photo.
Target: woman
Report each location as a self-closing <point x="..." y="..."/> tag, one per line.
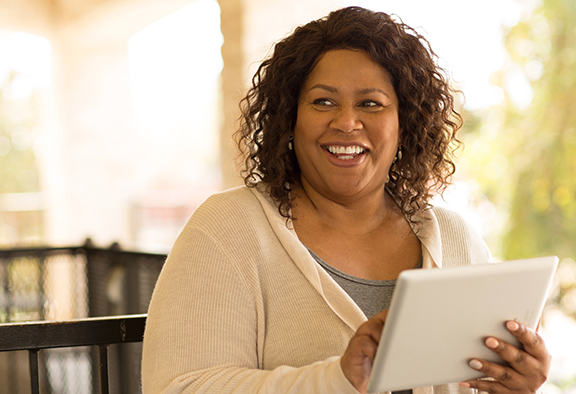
<point x="347" y="132"/>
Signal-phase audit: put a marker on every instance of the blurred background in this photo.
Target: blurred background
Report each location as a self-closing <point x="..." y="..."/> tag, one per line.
<point x="116" y="119"/>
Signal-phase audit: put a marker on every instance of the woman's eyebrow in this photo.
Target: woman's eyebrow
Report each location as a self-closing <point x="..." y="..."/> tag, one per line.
<point x="325" y="87"/>
<point x="372" y="90"/>
<point x="332" y="89"/>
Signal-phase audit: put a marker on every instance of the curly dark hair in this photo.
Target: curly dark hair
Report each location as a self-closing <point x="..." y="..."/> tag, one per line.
<point x="427" y="116"/>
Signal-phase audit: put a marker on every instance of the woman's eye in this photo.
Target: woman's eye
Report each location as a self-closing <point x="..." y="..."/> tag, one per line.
<point x="323" y="102"/>
<point x="370" y="104"/>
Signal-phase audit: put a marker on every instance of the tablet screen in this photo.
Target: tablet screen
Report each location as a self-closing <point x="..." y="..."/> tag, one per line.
<point x="439" y="318"/>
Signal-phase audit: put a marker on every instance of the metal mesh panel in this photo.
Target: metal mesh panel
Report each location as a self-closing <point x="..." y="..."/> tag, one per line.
<point x="147" y="277"/>
<point x="69" y="370"/>
<point x="14" y="373"/>
<point x="65" y="287"/>
<point x="23" y="289"/>
<point x="42" y="285"/>
<point x="71" y="283"/>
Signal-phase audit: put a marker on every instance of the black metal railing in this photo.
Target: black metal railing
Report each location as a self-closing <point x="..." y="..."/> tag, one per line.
<point x="100" y="332"/>
<point x="64" y="283"/>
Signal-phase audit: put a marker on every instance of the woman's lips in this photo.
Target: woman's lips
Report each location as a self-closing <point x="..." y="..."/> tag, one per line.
<point x="348" y="152"/>
<point x="345" y="155"/>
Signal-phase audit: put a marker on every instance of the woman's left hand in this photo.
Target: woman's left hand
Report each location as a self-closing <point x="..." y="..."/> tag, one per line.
<point x="528" y="368"/>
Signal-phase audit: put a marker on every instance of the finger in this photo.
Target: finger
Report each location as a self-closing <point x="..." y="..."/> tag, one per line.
<point x="518" y="359"/>
<point x="357" y="360"/>
<point x="488" y="386"/>
<point x="373" y="327"/>
<point x="530" y="339"/>
<point x="507" y="376"/>
<point x="381" y="315"/>
<point x="365" y="340"/>
<point x="362" y="347"/>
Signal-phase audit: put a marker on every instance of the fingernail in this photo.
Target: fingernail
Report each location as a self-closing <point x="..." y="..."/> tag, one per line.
<point x="491" y="343"/>
<point x="475" y="364"/>
<point x="464" y="384"/>
<point x="512" y="326"/>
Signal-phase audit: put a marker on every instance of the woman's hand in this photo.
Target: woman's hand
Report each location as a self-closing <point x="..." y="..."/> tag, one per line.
<point x="528" y="368"/>
<point x="359" y="356"/>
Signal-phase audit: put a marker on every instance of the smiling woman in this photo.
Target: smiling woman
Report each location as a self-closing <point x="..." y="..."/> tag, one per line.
<point x="282" y="286"/>
<point x="426" y="113"/>
<point x="345" y="140"/>
<point x="346" y="133"/>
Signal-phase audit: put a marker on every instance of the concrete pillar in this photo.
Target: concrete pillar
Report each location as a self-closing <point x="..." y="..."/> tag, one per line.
<point x="250" y="27"/>
<point x="233" y="85"/>
<point x="269" y="21"/>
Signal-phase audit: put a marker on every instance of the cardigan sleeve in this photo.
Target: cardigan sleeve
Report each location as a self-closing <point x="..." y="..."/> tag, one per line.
<point x="202" y="331"/>
<point x="461" y="244"/>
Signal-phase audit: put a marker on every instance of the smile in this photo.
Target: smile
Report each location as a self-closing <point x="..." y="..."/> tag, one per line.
<point x="345" y="152"/>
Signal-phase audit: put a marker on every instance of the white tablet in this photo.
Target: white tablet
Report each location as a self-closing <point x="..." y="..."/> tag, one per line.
<point x="438" y="320"/>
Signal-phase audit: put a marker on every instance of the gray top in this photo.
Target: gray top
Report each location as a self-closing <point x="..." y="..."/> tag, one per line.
<point x="372" y="296"/>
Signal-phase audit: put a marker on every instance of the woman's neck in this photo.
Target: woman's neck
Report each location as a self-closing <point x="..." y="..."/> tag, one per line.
<point x="352" y="215"/>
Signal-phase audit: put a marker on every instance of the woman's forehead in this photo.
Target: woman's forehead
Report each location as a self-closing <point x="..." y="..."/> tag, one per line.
<point x="347" y="68"/>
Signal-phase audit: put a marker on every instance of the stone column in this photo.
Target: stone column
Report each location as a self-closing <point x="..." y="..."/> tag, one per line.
<point x="233" y="85"/>
<point x="250" y="27"/>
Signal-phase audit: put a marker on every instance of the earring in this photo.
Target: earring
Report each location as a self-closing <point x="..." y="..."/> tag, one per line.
<point x="398" y="155"/>
<point x="290" y="145"/>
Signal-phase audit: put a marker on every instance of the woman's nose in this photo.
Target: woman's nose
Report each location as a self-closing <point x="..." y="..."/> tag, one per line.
<point x="346" y="120"/>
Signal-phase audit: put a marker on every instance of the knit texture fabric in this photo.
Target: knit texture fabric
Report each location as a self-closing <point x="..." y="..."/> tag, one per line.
<point x="242" y="307"/>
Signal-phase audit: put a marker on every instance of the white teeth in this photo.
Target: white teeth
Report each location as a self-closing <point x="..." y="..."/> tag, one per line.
<point x="339" y="150"/>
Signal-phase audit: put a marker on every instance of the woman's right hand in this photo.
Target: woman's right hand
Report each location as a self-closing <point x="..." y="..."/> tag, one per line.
<point x="358" y="358"/>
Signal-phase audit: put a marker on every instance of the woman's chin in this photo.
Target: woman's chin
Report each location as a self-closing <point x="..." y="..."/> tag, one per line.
<point x="347" y="193"/>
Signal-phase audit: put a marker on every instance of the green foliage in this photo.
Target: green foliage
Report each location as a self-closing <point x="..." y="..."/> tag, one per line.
<point x="18" y="170"/>
<point x="526" y="154"/>
<point x="18" y="164"/>
<point x="543" y="216"/>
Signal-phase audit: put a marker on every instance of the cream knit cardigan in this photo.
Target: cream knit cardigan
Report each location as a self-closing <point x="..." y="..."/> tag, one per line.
<point x="242" y="307"/>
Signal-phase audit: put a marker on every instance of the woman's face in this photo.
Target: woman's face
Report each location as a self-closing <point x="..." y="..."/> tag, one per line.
<point x="347" y="129"/>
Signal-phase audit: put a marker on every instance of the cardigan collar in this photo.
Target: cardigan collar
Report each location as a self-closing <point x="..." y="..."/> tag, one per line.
<point x="426" y="229"/>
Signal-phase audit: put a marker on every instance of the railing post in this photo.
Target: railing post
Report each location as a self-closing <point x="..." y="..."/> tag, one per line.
<point x="34" y="380"/>
<point x="103" y="368"/>
<point x="7" y="304"/>
<point x="41" y="284"/>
